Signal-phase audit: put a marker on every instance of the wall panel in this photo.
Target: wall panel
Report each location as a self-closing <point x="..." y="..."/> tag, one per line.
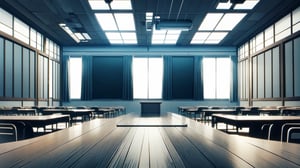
<point x="297" y="66"/>
<point x="8" y="68"/>
<point x="288" y="55"/>
<point x="1" y="67"/>
<point x="26" y="74"/>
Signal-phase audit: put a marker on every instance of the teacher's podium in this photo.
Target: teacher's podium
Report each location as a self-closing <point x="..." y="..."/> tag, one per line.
<point x="150" y="108"/>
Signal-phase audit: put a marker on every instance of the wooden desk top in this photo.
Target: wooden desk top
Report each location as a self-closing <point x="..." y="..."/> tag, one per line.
<point x="258" y="117"/>
<point x="36" y="121"/>
<point x="99" y="143"/>
<point x="32" y="118"/>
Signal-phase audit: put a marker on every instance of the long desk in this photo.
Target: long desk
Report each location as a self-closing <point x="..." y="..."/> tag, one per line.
<point x="99" y="143"/>
<point x="254" y="123"/>
<point x="209" y="112"/>
<point x="73" y="113"/>
<point x="37" y="121"/>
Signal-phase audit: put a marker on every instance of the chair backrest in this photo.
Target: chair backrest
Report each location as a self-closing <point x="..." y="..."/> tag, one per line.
<point x="293" y="135"/>
<point x="8" y="132"/>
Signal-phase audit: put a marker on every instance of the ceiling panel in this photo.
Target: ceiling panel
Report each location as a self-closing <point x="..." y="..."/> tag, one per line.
<point x="45" y="15"/>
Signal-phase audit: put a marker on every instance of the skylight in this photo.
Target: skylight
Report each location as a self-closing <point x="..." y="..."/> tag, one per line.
<point x="247" y="5"/>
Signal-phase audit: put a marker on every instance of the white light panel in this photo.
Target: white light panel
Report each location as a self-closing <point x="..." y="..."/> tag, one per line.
<point x="229" y="21"/>
<point x="106" y="21"/>
<point x="247" y="5"/>
<point x="125" y="21"/>
<point x="210" y="21"/>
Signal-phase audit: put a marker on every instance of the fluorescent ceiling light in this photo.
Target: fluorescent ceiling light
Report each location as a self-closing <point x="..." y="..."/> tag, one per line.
<point x="216" y="37"/>
<point x="69" y="32"/>
<point x="86" y="36"/>
<point x="247" y="5"/>
<point x="200" y="37"/>
<point x="106" y="21"/>
<point x="98" y="5"/>
<point x="224" y="5"/>
<point x="210" y="21"/>
<point x="114" y="37"/>
<point x="229" y="21"/>
<point x="125" y="21"/>
<point x="165" y="36"/>
<point x="121" y="5"/>
<point x="79" y="36"/>
<point x="129" y="37"/>
<point x="115" y="5"/>
<point x="208" y="37"/>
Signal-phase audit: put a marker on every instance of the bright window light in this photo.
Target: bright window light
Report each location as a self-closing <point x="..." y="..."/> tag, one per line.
<point x="147" y="78"/>
<point x="125" y="21"/>
<point x="247" y="5"/>
<point x="223" y="78"/>
<point x="121" y="5"/>
<point x="98" y="5"/>
<point x="224" y="5"/>
<point x="106" y="21"/>
<point x="216" y="78"/>
<point x="210" y="21"/>
<point x="75" y="69"/>
<point x="230" y="20"/>
<point x="209" y="78"/>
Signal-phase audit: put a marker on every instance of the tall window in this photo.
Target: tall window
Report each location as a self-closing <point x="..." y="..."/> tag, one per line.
<point x="75" y="78"/>
<point x="147" y="78"/>
<point x="216" y="78"/>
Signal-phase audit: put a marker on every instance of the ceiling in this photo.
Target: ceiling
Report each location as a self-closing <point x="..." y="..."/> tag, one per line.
<point x="45" y="15"/>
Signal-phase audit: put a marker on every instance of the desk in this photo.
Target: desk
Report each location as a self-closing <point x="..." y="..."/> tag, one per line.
<point x="73" y="113"/>
<point x="150" y="108"/>
<point x="37" y="121"/>
<point x="254" y="123"/>
<point x="26" y="111"/>
<point x="99" y="143"/>
<point x="209" y="112"/>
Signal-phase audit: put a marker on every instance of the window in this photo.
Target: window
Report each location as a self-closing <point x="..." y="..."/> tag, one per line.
<point x="216" y="78"/>
<point x="75" y="78"/>
<point x="147" y="78"/>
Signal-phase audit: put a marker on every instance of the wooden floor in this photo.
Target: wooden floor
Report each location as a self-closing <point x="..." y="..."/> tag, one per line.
<point x="161" y="142"/>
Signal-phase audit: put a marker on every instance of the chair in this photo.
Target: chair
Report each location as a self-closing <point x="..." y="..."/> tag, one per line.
<point x="288" y="129"/>
<point x="293" y="131"/>
<point x="8" y="132"/>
